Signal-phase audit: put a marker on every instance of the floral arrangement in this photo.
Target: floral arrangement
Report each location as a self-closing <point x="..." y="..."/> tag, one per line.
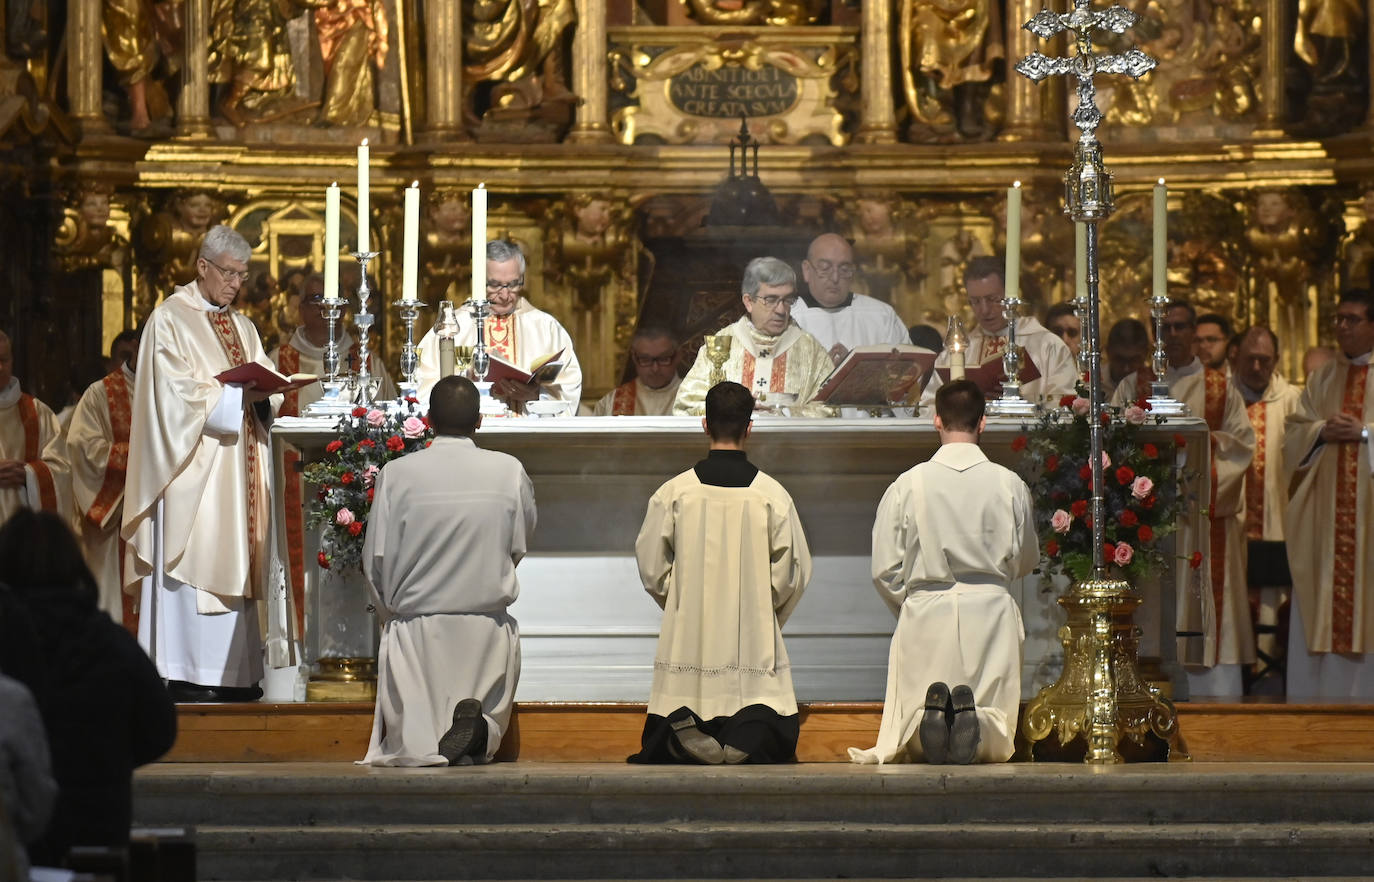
<point x="368" y="439"/>
<point x="1143" y="488"/>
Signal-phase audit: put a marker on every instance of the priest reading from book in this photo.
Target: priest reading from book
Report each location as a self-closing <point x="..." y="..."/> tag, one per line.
<point x="33" y="457"/>
<point x="448" y="526"/>
<point x="98" y="443"/>
<point x="1047" y="358"/>
<point x="516" y="332"/>
<point x="655" y="352"/>
<point x="722" y="552"/>
<point x="950" y="537"/>
<point x="197" y="503"/>
<point x="770" y="355"/>
<point x="829" y="311"/>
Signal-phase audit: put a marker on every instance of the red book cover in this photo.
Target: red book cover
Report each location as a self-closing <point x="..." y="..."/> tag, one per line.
<point x="989" y="375"/>
<point x="263" y="378"/>
<point x="878" y="376"/>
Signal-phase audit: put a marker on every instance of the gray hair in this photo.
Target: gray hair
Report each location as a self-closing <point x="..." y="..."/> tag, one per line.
<point x="767" y="271"/>
<point x="224" y="241"/>
<point x="502" y="250"/>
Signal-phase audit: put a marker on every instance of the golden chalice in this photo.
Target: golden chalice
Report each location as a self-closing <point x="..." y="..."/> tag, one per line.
<point x="462" y="360"/>
<point x="718" y="351"/>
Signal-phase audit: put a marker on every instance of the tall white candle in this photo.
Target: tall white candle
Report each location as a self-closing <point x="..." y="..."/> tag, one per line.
<point x="479" y="242"/>
<point x="1161" y="231"/>
<point x="1080" y="260"/>
<point x="331" y="240"/>
<point x="364" y="157"/>
<point x="410" y="254"/>
<point x="1013" y="271"/>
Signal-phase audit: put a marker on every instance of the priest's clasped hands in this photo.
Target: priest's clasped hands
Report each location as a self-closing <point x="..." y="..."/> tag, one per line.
<point x="516" y="395"/>
<point x="11" y="473"/>
<point x="1343" y="427"/>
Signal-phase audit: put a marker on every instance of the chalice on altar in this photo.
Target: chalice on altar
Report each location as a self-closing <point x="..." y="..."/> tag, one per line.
<point x="718" y="351"/>
<point x="462" y="359"/>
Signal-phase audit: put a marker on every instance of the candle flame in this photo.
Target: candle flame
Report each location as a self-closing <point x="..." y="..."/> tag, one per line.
<point x="1016" y="184"/>
<point x="335" y="184"/>
<point x="1161" y="182"/>
<point x="364" y="143"/>
<point x="482" y="185"/>
<point x="415" y="184"/>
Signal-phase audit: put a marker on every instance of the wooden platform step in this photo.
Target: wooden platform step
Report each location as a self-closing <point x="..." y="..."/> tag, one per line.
<point x="1260" y="730"/>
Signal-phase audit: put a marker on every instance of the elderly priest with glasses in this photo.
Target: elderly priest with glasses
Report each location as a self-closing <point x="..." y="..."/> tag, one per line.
<point x="781" y="365"/>
<point x="516" y="331"/>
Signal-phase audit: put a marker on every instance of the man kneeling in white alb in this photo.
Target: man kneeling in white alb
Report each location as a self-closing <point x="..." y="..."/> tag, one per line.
<point x="448" y="526"/>
<point x="950" y="535"/>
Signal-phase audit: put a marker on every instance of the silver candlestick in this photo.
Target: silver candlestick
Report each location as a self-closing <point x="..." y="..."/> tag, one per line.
<point x="410" y="360"/>
<point x="333" y="383"/>
<point x="1012" y="403"/>
<point x="481" y="361"/>
<point x="1161" y="402"/>
<point x="364" y="384"/>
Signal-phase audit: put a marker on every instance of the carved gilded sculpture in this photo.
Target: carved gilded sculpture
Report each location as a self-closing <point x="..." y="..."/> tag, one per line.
<point x="446" y="249"/>
<point x="85" y="239"/>
<point x="889" y="245"/>
<point x="1284" y="235"/>
<point x="137" y="34"/>
<point x="250" y="53"/>
<point x="1206" y="257"/>
<point x="786" y="13"/>
<point x="1357" y="246"/>
<point x="948" y="48"/>
<point x="516" y="46"/>
<point x="588" y="242"/>
<point x="167" y="243"/>
<point x="353" y="39"/>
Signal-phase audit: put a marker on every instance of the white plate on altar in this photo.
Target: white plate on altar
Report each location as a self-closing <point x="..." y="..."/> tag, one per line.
<point x="548" y="408"/>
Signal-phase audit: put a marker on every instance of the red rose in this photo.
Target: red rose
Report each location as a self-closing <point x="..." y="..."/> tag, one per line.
<point x="1052" y="462"/>
<point x="1067" y="400"/>
<point x="1148" y="502"/>
<point x="1150" y="451"/>
<point x="1086" y="473"/>
<point x="360" y="411"/>
<point x="1145" y="534"/>
<point x="1079" y="508"/>
<point x="429" y="442"/>
<point x="370" y="491"/>
<point x="1196" y="560"/>
<point x="1088" y="521"/>
<point x="346" y="478"/>
<point x="366" y="444"/>
<point x="1109" y="551"/>
<point x="411" y="399"/>
<point x="333" y="446"/>
<point x="1142" y="403"/>
<point x="1052" y="548"/>
<point x="395" y="444"/>
<point x="1180" y="441"/>
<point x="1129" y="518"/>
<point x="321" y="496"/>
<point x="324" y="561"/>
<point x="1106" y="418"/>
<point x="355" y="528"/>
<point x="1018" y="443"/>
<point x="425" y="420"/>
<point x="1125" y="475"/>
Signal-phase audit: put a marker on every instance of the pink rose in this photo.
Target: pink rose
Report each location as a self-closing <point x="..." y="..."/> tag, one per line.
<point x="1106" y="461"/>
<point x="343" y="517"/>
<point x="376" y="418"/>
<point x="370" y="475"/>
<point x="1134" y="415"/>
<point x="1123" y="554"/>
<point x="1081" y="406"/>
<point x="1060" y="521"/>
<point x="413" y="427"/>
<point x="1141" y="487"/>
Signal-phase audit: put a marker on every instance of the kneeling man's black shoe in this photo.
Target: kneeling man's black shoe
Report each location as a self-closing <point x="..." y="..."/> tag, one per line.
<point x="934" y="729"/>
<point x="461" y="739"/>
<point x="963" y="732"/>
<point x="696" y="744"/>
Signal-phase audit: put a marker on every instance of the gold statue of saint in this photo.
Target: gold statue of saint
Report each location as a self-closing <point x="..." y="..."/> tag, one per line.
<point x="137" y="35"/>
<point x="948" y="48"/>
<point x="518" y="44"/>
<point x="353" y="37"/>
<point x="249" y="51"/>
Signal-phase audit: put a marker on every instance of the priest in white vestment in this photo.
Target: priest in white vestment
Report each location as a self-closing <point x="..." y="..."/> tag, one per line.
<point x="722" y="552"/>
<point x="33" y="456"/>
<point x="98" y="443"/>
<point x="197" y="502"/>
<point x="515" y="330"/>
<point x="655" y="352"/>
<point x="448" y="526"/>
<point x="1216" y="524"/>
<point x="781" y="365"/>
<point x="1327" y="457"/>
<point x="950" y="537"/>
<point x="839" y="319"/>
<point x="984" y="280"/>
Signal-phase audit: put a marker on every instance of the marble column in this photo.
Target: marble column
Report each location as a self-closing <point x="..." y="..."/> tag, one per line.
<point x="84" y="66"/>
<point x="444" y="77"/>
<point x="589" y="74"/>
<point x="878" y="122"/>
<point x="193" y="104"/>
<point x="1272" y="79"/>
<point x="1026" y="99"/>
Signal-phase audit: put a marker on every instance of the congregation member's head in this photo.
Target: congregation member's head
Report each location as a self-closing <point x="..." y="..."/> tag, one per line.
<point x="1355" y="322"/>
<point x="1211" y="337"/>
<point x="1062" y="321"/>
<point x="655" y="351"/>
<point x="41" y="554"/>
<point x="1315" y="358"/>
<point x="455" y="407"/>
<point x="828" y="269"/>
<point x="505" y="276"/>
<point x="1256" y="356"/>
<point x="770" y="292"/>
<point x="124" y="350"/>
<point x="729" y="415"/>
<point x="1180" y="329"/>
<point x="959" y="407"/>
<point x="985" y="282"/>
<point x="1128" y="345"/>
<point x="222" y="267"/>
<point x="6" y="360"/>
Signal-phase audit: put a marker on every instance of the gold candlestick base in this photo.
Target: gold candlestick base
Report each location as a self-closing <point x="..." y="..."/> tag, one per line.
<point x="343" y="679"/>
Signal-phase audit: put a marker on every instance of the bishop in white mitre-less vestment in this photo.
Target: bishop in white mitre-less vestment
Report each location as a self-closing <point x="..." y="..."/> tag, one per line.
<point x="197" y="503"/>
<point x="98" y="443"/>
<point x="1216" y="528"/>
<point x="950" y="536"/>
<point x="1052" y="357"/>
<point x="781" y="371"/>
<point x="29" y="434"/>
<point x="447" y="528"/>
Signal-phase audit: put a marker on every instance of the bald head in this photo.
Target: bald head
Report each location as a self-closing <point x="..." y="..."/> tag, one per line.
<point x="828" y="269"/>
<point x="455" y="407"/>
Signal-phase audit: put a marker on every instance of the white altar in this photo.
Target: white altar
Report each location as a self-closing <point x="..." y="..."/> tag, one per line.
<point x="588" y="629"/>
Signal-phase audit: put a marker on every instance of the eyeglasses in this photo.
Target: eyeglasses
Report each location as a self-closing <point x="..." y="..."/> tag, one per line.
<point x="647" y="360"/>
<point x="772" y="301"/>
<point x="227" y="274"/>
<point x="826" y="268"/>
<point x="1342" y="319"/>
<point x="506" y="286"/>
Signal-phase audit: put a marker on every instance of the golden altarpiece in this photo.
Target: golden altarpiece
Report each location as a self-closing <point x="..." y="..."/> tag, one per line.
<point x="129" y="127"/>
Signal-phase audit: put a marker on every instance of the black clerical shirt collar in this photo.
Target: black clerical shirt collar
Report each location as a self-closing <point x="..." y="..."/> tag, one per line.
<point x="813" y="303"/>
<point x="726" y="468"/>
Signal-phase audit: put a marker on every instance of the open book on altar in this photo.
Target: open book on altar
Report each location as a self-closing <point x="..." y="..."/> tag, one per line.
<point x="264" y="379"/>
<point x="543" y="371"/>
<point x="882" y="375"/>
<point x="989" y="375"/>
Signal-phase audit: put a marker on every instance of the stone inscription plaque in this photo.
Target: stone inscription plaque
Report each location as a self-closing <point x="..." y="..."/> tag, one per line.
<point x="728" y="91"/>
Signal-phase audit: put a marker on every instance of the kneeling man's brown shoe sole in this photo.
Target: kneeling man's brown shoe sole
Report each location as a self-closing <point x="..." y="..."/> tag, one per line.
<point x="457" y="742"/>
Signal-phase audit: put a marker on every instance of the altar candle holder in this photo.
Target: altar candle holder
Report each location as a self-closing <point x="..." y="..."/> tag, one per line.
<point x="1012" y="403"/>
<point x="409" y="311"/>
<point x="481" y="361"/>
<point x="363" y="381"/>
<point x="1161" y="402"/>
<point x="333" y="382"/>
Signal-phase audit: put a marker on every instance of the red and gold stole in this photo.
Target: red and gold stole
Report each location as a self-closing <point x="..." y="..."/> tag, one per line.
<point x="33" y="453"/>
<point x="1214" y="411"/>
<point x="289" y="362"/>
<point x="777" y="378"/>
<point x="228" y="335"/>
<point x="119" y="406"/>
<point x="501" y="336"/>
<point x="623" y="402"/>
<point x="1347" y="509"/>
<point x="1254" y="476"/>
